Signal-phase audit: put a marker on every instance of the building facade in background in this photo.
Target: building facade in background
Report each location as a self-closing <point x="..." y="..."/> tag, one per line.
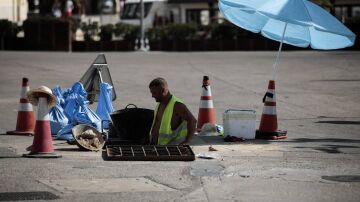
<point x="158" y="11"/>
<point x="346" y="9"/>
<point x="14" y="10"/>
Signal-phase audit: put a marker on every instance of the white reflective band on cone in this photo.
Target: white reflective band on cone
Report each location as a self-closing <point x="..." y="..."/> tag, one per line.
<point x="25" y="107"/>
<point x="206" y="104"/>
<point x="272" y="91"/>
<point x="206" y="92"/>
<point x="24" y="90"/>
<point x="270" y="110"/>
<point x="43" y="110"/>
<point x="269" y="99"/>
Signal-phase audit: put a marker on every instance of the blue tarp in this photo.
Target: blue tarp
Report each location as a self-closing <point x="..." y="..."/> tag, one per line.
<point x="56" y="114"/>
<point x="104" y="107"/>
<point x="77" y="111"/>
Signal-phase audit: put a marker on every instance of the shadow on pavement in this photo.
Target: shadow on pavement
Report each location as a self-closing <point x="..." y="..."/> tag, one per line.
<point x="332" y="149"/>
<point x="76" y="149"/>
<point x="303" y="140"/>
<point x="340" y="122"/>
<point x="327" y="148"/>
<point x="342" y="178"/>
<point x="219" y="140"/>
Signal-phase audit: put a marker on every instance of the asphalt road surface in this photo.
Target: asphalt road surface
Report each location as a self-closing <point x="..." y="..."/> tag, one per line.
<point x="317" y="96"/>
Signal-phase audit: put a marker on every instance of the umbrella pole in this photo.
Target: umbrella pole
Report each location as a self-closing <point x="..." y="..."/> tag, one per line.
<point x="278" y="53"/>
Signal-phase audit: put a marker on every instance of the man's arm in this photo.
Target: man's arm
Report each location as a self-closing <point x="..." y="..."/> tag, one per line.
<point x="184" y="113"/>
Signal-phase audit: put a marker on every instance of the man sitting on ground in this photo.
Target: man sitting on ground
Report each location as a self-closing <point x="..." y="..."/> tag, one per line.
<point x="173" y="122"/>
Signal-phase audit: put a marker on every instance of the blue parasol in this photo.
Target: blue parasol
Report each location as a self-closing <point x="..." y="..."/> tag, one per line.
<point x="299" y="23"/>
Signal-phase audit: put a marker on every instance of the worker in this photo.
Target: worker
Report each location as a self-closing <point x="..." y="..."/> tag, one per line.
<point x="173" y="122"/>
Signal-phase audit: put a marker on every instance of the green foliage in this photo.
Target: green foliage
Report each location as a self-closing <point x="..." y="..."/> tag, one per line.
<point x="90" y="30"/>
<point x="156" y="33"/>
<point x="180" y="31"/>
<point x="121" y="29"/>
<point x="106" y="32"/>
<point x="52" y="20"/>
<point x="5" y="26"/>
<point x="126" y="31"/>
<point x="8" y="28"/>
<point x="133" y="33"/>
<point x="225" y="31"/>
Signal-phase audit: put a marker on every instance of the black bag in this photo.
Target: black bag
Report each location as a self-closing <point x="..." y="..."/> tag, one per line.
<point x="131" y="124"/>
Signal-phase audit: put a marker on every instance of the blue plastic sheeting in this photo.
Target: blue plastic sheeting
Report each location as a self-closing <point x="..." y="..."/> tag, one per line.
<point x="66" y="133"/>
<point x="77" y="111"/>
<point x="105" y="107"/>
<point x="86" y="116"/>
<point x="57" y="119"/>
<point x="56" y="114"/>
<point x="59" y="95"/>
<point x="71" y="96"/>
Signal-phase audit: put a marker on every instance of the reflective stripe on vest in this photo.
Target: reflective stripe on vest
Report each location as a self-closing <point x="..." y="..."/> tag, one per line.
<point x="166" y="134"/>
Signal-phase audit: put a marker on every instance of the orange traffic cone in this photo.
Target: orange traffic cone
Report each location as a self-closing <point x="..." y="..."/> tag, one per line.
<point x="206" y="108"/>
<point x="42" y="146"/>
<point x="25" y="120"/>
<point x="268" y="128"/>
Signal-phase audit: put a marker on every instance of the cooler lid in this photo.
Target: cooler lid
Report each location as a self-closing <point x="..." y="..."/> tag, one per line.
<point x="239" y="114"/>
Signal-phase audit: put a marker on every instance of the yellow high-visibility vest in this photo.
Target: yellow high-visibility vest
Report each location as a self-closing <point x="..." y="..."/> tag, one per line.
<point x="166" y="134"/>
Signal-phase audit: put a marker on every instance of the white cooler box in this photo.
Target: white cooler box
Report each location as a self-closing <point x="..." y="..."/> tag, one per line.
<point x="240" y="123"/>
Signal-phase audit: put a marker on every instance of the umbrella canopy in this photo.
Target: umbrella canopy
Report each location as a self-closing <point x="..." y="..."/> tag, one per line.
<point x="306" y="23"/>
<point x="296" y="22"/>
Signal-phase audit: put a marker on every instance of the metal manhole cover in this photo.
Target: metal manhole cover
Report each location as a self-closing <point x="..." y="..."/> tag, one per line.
<point x="149" y="153"/>
<point x="21" y="196"/>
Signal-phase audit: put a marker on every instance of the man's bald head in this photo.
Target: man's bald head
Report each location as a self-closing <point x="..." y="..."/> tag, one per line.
<point x="159" y="89"/>
<point x="158" y="82"/>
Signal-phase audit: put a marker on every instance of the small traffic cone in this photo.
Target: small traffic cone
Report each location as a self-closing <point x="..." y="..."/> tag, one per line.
<point x="25" y="120"/>
<point x="268" y="128"/>
<point x="42" y="146"/>
<point x="206" y="107"/>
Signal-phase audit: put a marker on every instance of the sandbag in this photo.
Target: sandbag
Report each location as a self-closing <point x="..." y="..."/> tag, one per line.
<point x="57" y="119"/>
<point x="66" y="132"/>
<point x="77" y="111"/>
<point x="56" y="114"/>
<point x="73" y="96"/>
<point x="87" y="116"/>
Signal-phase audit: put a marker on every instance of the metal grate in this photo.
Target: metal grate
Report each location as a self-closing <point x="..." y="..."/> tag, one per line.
<point x="149" y="153"/>
<point x="20" y="196"/>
